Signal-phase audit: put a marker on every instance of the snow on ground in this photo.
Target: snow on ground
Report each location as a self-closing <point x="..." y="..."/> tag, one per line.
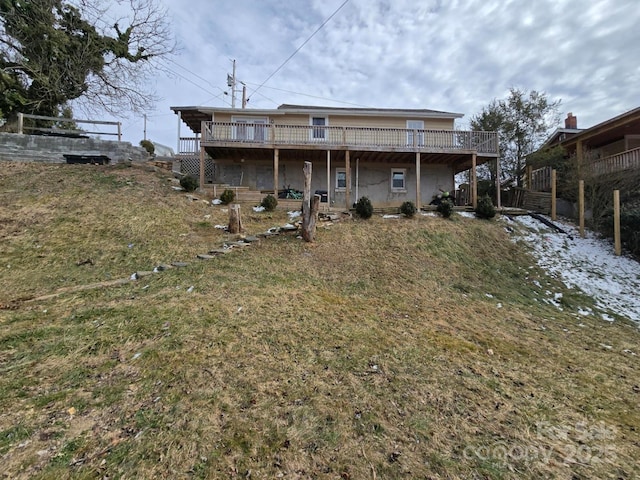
<point x="585" y="263"/>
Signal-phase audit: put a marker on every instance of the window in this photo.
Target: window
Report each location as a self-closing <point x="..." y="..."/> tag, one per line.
<point x="398" y="179"/>
<point x="415" y="125"/>
<point x="341" y="179"/>
<point x="319" y="132"/>
<point x="249" y="129"/>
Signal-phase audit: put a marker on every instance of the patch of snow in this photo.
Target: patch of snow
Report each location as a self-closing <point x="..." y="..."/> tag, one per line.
<point x="588" y="264"/>
<point x="259" y="208"/>
<point x="221" y="227"/>
<point x="390" y="216"/>
<point x="216" y="201"/>
<point x="294" y="214"/>
<point x="467" y="214"/>
<point x="429" y="214"/>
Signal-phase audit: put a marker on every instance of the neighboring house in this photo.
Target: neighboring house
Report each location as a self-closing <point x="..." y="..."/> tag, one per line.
<point x="388" y="155"/>
<point x="609" y="147"/>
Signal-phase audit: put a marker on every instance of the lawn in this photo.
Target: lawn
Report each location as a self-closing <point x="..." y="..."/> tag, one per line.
<point x="389" y="348"/>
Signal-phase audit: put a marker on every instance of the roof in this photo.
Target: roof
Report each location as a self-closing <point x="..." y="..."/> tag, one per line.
<point x="194" y="115"/>
<point x="370" y="111"/>
<point x="604" y="132"/>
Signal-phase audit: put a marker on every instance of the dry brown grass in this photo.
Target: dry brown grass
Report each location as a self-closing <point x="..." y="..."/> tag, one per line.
<point x="373" y="353"/>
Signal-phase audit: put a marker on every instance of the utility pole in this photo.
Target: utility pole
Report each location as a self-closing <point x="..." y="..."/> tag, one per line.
<point x="231" y="82"/>
<point x="244" y="95"/>
<point x="145" y="126"/>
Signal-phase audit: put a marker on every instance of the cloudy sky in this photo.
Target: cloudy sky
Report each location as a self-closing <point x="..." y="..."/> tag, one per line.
<point x="453" y="55"/>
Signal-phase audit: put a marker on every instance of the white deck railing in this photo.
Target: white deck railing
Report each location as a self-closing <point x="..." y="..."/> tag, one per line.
<point x="401" y="139"/>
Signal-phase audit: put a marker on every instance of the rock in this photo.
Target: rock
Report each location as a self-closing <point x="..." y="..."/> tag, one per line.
<point x="203" y="256"/>
<point x="179" y="264"/>
<point x="251" y="239"/>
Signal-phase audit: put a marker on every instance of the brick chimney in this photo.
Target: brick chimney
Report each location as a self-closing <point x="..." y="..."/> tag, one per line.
<point x="571" y="121"/>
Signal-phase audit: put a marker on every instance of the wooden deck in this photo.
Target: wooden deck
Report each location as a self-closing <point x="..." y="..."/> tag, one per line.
<point x="260" y="136"/>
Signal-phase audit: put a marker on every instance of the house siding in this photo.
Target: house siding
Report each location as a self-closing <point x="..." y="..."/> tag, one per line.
<point x="344" y="121"/>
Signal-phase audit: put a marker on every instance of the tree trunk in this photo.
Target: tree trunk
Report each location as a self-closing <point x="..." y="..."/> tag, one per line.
<point x="310" y="206"/>
<point x="235" y="221"/>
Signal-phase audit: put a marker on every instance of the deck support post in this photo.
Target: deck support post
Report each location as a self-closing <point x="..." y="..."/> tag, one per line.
<point x="276" y="161"/>
<point x="328" y="179"/>
<point x="202" y="169"/>
<point x="616" y="223"/>
<point x="418" y="188"/>
<point x="474" y="181"/>
<point x="347" y="190"/>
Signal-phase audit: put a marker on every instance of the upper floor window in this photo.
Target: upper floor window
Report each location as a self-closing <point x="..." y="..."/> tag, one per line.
<point x="249" y="129"/>
<point x="415" y="132"/>
<point x="319" y="132"/>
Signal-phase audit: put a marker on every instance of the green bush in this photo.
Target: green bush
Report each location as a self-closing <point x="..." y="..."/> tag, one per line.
<point x="445" y="208"/>
<point x="227" y="196"/>
<point x="148" y="146"/>
<point x="269" y="203"/>
<point x="364" y="208"/>
<point x="408" y="209"/>
<point x="189" y="183"/>
<point x="485" y="208"/>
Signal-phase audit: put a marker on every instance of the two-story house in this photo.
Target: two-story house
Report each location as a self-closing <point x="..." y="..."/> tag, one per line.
<point x="388" y="155"/>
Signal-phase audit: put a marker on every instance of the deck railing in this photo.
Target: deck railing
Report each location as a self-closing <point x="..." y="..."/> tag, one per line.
<point x="616" y="163"/>
<point x="256" y="134"/>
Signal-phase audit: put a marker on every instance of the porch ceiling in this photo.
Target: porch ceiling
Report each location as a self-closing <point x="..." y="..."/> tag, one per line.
<point x="459" y="161"/>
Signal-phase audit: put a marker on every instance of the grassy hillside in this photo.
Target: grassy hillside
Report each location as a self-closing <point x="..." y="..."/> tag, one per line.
<point x="417" y="348"/>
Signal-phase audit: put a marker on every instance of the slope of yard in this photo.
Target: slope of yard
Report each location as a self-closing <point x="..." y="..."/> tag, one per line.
<point x="404" y="348"/>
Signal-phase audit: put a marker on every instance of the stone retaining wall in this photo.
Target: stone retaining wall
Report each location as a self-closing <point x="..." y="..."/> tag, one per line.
<point x="50" y="149"/>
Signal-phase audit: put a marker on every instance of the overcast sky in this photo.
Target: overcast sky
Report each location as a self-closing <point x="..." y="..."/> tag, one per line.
<point x="453" y="55"/>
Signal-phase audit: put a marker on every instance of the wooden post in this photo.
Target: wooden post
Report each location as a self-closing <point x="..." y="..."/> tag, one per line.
<point x="347" y="190"/>
<point x="328" y="179"/>
<point x="581" y="206"/>
<point x="20" y="123"/>
<point x="616" y="222"/>
<point x="474" y="183"/>
<point x="418" y="200"/>
<point x="553" y="194"/>
<point x="276" y="161"/>
<point x="310" y="206"/>
<point x="202" y="168"/>
<point x="529" y="175"/>
<point x="120" y="130"/>
<point x="235" y="220"/>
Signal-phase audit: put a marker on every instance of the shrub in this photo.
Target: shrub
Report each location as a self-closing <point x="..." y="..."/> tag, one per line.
<point x="485" y="208"/>
<point x="148" y="146"/>
<point x="445" y="208"/>
<point x="408" y="209"/>
<point x="269" y="203"/>
<point x="364" y="208"/>
<point x="189" y="183"/>
<point x="227" y="196"/>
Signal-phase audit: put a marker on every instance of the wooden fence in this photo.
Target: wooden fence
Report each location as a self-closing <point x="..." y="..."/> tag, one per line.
<point x="65" y="131"/>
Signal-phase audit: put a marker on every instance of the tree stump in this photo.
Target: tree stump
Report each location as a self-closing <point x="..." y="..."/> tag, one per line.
<point x="310" y="206"/>
<point x="235" y="220"/>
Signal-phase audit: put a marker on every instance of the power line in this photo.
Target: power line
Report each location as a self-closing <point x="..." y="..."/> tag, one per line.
<point x="300" y="47"/>
<point x="309" y="95"/>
